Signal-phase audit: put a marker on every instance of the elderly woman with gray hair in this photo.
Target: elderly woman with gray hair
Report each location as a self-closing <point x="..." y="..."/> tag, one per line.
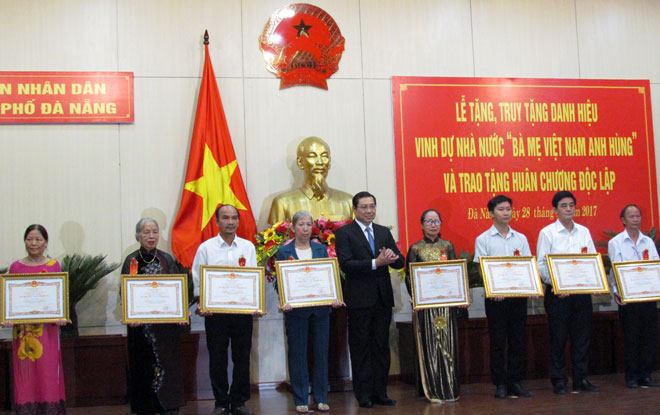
<point x="301" y="321"/>
<point x="154" y="350"/>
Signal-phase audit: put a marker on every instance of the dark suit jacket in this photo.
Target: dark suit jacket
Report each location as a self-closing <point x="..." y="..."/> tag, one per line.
<point x="289" y="250"/>
<point x="363" y="286"/>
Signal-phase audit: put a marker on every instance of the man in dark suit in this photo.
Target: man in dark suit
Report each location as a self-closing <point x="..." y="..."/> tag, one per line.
<point x="365" y="252"/>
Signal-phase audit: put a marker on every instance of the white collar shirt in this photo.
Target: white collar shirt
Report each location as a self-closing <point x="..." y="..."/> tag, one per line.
<point x="216" y="251"/>
<point x="492" y="243"/>
<point x="623" y="248"/>
<point x="364" y="232"/>
<point x="556" y="239"/>
<point x="364" y="229"/>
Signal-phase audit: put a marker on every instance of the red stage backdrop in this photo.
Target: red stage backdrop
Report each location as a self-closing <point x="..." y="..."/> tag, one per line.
<point x="461" y="141"/>
<point x="66" y="97"/>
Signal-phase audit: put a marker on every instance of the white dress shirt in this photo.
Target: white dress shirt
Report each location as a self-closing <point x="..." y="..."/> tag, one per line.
<point x="623" y="248"/>
<point x="216" y="251"/>
<point x="492" y="243"/>
<point x="556" y="239"/>
<point x="364" y="232"/>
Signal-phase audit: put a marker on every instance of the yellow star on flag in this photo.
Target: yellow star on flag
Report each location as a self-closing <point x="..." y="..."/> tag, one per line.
<point x="214" y="187"/>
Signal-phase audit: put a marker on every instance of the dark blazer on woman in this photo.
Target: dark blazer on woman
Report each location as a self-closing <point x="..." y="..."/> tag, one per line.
<point x="289" y="250"/>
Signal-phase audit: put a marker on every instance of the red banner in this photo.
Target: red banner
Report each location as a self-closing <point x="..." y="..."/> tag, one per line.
<point x="461" y="141"/>
<point x="66" y="97"/>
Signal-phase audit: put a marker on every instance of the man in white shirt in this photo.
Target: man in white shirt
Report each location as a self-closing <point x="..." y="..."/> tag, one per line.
<point x="568" y="315"/>
<point x="227" y="249"/>
<point x="639" y="320"/>
<point x="506" y="316"/>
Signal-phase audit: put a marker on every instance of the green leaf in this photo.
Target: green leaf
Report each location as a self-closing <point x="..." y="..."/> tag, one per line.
<point x="85" y="273"/>
<point x="474" y="276"/>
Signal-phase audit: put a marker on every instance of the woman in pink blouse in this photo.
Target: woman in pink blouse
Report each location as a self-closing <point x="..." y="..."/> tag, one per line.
<point x="36" y="352"/>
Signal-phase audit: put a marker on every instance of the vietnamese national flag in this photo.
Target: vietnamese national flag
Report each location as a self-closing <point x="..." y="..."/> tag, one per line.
<point x="213" y="177"/>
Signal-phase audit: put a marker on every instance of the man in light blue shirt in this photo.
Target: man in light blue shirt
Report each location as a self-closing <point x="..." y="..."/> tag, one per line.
<point x="506" y="316"/>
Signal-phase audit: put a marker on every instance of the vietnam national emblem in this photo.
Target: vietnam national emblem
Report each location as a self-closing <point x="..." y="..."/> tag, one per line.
<point x="302" y="45"/>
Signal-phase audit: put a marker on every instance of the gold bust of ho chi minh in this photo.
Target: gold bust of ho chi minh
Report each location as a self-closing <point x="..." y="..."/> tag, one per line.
<point x="315" y="195"/>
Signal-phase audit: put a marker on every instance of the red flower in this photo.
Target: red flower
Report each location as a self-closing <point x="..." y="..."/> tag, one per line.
<point x="322" y="222"/>
<point x="284" y="226"/>
<point x="331" y="251"/>
<point x="341" y="223"/>
<point x="290" y="233"/>
<point x="269" y="245"/>
<point x="290" y="258"/>
<point x="315" y="230"/>
<point x="326" y="233"/>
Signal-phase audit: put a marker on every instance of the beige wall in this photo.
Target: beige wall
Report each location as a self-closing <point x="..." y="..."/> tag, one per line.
<point x="88" y="184"/>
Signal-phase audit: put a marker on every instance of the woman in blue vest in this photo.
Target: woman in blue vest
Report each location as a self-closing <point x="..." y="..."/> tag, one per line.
<point x="303" y="320"/>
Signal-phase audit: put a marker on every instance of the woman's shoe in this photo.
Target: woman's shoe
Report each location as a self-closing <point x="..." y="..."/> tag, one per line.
<point x="323" y="407"/>
<point x="302" y="409"/>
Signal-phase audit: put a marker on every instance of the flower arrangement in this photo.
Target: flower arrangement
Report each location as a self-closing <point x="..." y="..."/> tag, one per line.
<point x="271" y="239"/>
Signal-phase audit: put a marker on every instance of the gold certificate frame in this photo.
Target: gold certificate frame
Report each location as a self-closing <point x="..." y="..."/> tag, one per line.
<point x="35" y="298"/>
<point x="577" y="274"/>
<point x="308" y="283"/>
<point x="154" y="298"/>
<point x="439" y="284"/>
<point x="511" y="276"/>
<point x="637" y="281"/>
<point x="232" y="290"/>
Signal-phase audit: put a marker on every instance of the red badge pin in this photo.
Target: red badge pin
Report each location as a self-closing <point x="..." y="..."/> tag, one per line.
<point x="584" y="249"/>
<point x="134" y="267"/>
<point x="443" y="255"/>
<point x="645" y="255"/>
<point x="241" y="261"/>
<point x="516" y="253"/>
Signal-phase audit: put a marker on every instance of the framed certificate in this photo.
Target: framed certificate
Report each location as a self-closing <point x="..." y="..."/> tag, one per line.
<point x="637" y="281"/>
<point x="35" y="298"/>
<point x="154" y="298"/>
<point x="577" y="274"/>
<point x="515" y="276"/>
<point x="232" y="290"/>
<point x="305" y="283"/>
<point x="439" y="284"/>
